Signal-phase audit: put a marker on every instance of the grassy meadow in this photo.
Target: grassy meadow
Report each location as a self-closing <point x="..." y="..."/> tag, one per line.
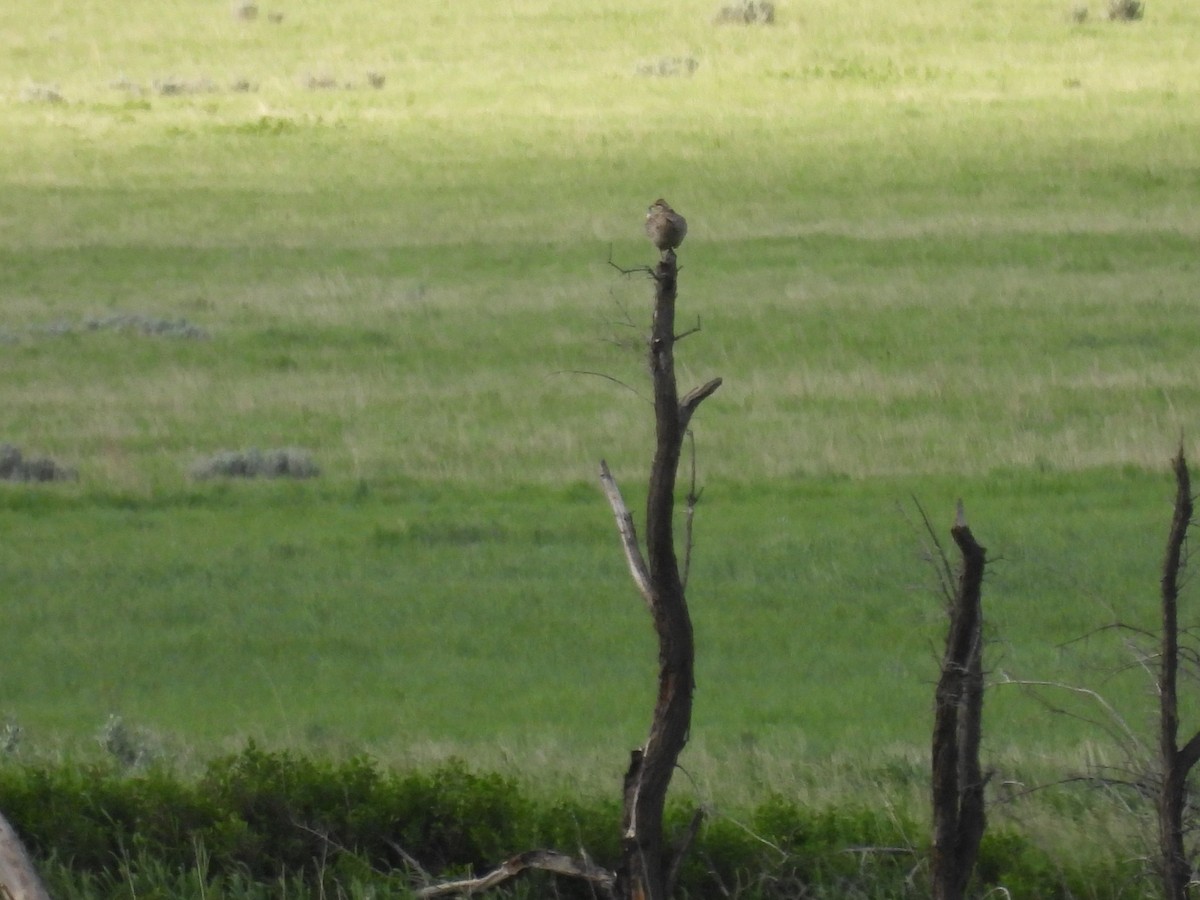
<point x="937" y="250"/>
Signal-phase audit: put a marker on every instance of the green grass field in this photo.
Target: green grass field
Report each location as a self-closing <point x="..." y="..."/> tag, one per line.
<point x="936" y="250"/>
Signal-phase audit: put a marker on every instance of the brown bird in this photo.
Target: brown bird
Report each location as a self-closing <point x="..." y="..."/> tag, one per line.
<point x="665" y="227"/>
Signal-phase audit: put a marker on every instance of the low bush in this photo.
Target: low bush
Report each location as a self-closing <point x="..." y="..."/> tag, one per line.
<point x="15" y="466"/>
<point x="258" y="822"/>
<point x="288" y="462"/>
<point x="1125" y="10"/>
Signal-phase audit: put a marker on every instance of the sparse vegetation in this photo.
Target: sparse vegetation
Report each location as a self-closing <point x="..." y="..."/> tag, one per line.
<point x="16" y="466"/>
<point x="288" y="462"/>
<point x="257" y="818"/>
<point x="747" y="12"/>
<point x="176" y="87"/>
<point x="122" y="323"/>
<point x="42" y="93"/>
<point x="320" y="82"/>
<point x="10" y="737"/>
<point x="132" y="748"/>
<point x="1126" y="10"/>
<point x="669" y="66"/>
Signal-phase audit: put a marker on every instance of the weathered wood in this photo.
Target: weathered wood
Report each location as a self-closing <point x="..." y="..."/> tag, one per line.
<point x="645" y="871"/>
<point x="628" y="533"/>
<point x="1175" y="763"/>
<point x="959" y="817"/>
<point x="544" y="860"/>
<point x="19" y="880"/>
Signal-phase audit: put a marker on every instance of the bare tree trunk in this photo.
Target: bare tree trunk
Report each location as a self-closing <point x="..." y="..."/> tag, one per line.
<point x="18" y="878"/>
<point x="645" y="872"/>
<point x="958" y="810"/>
<point x="1175" y="763"/>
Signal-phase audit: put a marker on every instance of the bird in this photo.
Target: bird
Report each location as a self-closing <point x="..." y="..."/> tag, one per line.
<point x="665" y="227"/>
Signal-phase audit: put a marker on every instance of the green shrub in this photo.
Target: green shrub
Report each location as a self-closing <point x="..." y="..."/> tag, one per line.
<point x="259" y="822"/>
<point x="92" y="817"/>
<point x="1010" y="860"/>
<point x="289" y="813"/>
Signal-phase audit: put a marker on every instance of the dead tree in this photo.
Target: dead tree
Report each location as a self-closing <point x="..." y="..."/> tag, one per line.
<point x="958" y="782"/>
<point x="1175" y="762"/>
<point x="645" y="872"/>
<point x="18" y="878"/>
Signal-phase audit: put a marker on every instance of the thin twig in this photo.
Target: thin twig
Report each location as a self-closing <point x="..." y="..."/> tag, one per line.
<point x="689" y="332"/>
<point x="412" y="862"/>
<point x="681" y="849"/>
<point x="945" y="574"/>
<point x="645" y="269"/>
<point x="606" y="377"/>
<point x="1128" y="732"/>
<point x="1111" y="626"/>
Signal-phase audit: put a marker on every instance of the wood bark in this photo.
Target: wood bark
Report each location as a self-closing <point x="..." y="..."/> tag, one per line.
<point x="959" y="818"/>
<point x="1176" y="763"/>
<point x="645" y="872"/>
<point x="18" y="878"/>
<point x="543" y="860"/>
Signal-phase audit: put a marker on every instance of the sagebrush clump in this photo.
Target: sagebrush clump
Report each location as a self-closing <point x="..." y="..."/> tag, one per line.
<point x="746" y="12"/>
<point x="15" y="466"/>
<point x="288" y="462"/>
<point x="1125" y="10"/>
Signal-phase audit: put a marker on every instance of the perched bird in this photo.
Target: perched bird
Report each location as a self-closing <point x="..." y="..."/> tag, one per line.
<point x="665" y="227"/>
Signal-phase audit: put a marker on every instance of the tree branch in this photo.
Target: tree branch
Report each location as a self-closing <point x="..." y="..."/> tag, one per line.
<point x="629" y="541"/>
<point x="1126" y="734"/>
<point x="694" y="398"/>
<point x="544" y="860"/>
<point x="647" y="269"/>
<point x="18" y="878"/>
<point x="693" y="330"/>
